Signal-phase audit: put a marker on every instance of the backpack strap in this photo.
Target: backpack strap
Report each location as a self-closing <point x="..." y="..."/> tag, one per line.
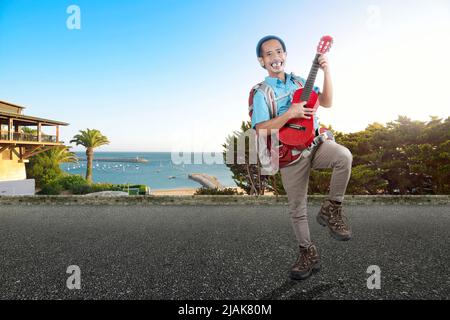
<point x="298" y="80"/>
<point x="269" y="96"/>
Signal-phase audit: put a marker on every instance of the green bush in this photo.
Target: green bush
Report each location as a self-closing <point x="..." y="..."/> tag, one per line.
<point x="77" y="184"/>
<point x="217" y="192"/>
<point x="42" y="171"/>
<point x="95" y="187"/>
<point x="44" y="167"/>
<point x="51" y="188"/>
<point x="81" y="189"/>
<point x="98" y="187"/>
<point x="69" y="181"/>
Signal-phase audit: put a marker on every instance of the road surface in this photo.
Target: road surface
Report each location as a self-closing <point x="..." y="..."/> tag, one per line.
<point x="218" y="252"/>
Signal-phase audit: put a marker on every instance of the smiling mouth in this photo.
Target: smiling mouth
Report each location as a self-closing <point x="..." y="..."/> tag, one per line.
<point x="277" y="65"/>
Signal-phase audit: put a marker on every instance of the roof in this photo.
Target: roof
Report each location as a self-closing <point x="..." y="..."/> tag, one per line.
<point x="12" y="104"/>
<point x="32" y="119"/>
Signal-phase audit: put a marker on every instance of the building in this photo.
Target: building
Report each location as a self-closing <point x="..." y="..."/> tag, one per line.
<point x="22" y="137"/>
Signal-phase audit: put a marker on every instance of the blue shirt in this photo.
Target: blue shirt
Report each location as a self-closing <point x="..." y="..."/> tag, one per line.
<point x="283" y="98"/>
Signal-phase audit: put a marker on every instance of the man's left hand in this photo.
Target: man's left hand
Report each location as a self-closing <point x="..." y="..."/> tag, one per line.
<point x="323" y="62"/>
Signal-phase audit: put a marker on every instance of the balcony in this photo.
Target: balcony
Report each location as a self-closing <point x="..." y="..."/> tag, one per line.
<point x="27" y="137"/>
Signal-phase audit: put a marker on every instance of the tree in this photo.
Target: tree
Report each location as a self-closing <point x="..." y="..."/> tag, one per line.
<point x="401" y="157"/>
<point x="90" y="139"/>
<point x="29" y="130"/>
<point x="44" y="167"/>
<point x="246" y="175"/>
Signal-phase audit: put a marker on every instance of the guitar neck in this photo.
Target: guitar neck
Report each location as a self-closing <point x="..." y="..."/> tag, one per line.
<point x="311" y="79"/>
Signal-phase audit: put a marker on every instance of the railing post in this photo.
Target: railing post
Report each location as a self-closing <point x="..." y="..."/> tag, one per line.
<point x="10" y="126"/>
<point x="39" y="132"/>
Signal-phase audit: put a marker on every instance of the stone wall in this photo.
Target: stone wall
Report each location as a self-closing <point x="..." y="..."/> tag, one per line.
<point x="216" y="200"/>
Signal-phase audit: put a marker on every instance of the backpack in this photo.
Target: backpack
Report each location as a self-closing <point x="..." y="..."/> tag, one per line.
<point x="276" y="155"/>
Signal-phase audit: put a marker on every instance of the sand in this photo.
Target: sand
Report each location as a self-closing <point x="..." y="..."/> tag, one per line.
<point x="173" y="192"/>
<point x="185" y="192"/>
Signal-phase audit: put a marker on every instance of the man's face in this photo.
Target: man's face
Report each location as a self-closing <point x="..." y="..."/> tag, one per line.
<point x="273" y="57"/>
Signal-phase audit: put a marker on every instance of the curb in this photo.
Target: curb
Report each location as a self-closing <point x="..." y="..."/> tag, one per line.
<point x="217" y="200"/>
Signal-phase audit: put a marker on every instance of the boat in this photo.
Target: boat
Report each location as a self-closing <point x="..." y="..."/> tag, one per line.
<point x="133" y="160"/>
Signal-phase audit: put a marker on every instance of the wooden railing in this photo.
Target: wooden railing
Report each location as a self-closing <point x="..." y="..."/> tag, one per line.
<point x="48" y="138"/>
<point x="29" y="137"/>
<point x="4" y="135"/>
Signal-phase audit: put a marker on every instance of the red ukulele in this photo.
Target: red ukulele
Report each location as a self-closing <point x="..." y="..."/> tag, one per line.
<point x="299" y="133"/>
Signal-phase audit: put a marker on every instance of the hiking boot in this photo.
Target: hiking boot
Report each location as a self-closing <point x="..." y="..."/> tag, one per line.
<point x="331" y="216"/>
<point x="308" y="260"/>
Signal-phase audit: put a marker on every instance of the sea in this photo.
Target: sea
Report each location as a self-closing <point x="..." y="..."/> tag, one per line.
<point x="162" y="171"/>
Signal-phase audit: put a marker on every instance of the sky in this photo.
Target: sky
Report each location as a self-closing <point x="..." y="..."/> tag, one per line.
<point x="173" y="75"/>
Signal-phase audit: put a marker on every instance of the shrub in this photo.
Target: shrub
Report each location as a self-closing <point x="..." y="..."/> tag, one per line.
<point x="98" y="187"/>
<point x="91" y="188"/>
<point x="81" y="189"/>
<point x="78" y="185"/>
<point x="51" y="188"/>
<point x="70" y="181"/>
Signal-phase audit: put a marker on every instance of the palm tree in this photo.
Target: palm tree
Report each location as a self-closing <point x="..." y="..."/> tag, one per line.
<point x="45" y="165"/>
<point x="29" y="133"/>
<point x="29" y="130"/>
<point x="61" y="154"/>
<point x="90" y="139"/>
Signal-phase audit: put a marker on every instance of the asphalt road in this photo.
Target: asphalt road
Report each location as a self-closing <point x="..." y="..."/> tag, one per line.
<point x="222" y="252"/>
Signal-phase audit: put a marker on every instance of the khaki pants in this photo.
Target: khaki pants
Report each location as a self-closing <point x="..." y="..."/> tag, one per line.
<point x="296" y="177"/>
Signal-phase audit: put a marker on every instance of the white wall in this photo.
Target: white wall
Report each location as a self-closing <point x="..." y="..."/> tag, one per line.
<point x="17" y="188"/>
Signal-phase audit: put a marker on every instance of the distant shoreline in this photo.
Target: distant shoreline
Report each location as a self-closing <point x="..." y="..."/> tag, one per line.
<point x="159" y="173"/>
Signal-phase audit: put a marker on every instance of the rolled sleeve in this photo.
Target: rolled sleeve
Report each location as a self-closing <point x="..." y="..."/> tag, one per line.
<point x="260" y="109"/>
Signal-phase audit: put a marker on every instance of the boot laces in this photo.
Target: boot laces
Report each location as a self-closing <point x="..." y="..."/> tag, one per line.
<point x="337" y="218"/>
<point x="305" y="258"/>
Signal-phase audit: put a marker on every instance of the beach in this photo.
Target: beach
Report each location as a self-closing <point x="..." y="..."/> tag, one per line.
<point x="174" y="192"/>
<point x="188" y="192"/>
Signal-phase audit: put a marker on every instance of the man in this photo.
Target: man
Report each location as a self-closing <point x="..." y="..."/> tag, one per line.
<point x="271" y="52"/>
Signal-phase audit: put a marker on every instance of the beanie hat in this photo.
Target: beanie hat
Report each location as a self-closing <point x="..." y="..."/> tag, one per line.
<point x="265" y="39"/>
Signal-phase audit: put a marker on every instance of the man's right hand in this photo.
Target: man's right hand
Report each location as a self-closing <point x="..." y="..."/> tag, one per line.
<point x="298" y="110"/>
